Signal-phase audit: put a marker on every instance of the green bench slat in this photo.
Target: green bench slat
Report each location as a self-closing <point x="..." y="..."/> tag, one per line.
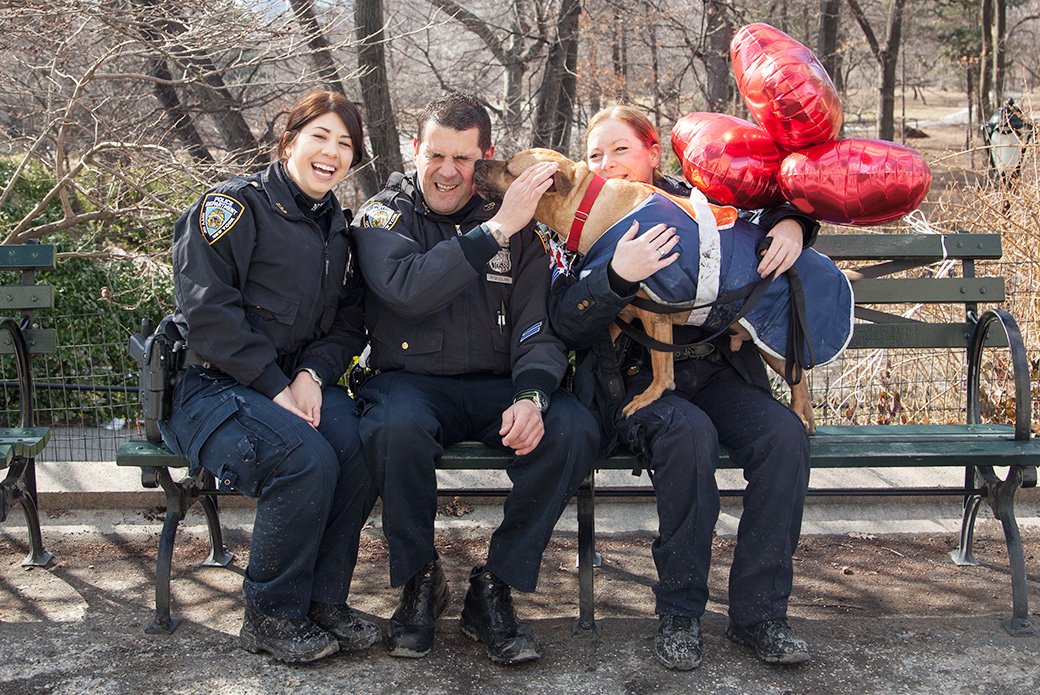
<point x="27" y="256"/>
<point x="889" y="247"/>
<point x="919" y="335"/>
<point x="928" y="290"/>
<point x="41" y="341"/>
<point x="30" y="297"/>
<point x="25" y="442"/>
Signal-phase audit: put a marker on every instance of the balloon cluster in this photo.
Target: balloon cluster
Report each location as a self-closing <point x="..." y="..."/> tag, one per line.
<point x="793" y="154"/>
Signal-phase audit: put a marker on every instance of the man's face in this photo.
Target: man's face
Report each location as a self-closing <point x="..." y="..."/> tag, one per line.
<point x="444" y="160"/>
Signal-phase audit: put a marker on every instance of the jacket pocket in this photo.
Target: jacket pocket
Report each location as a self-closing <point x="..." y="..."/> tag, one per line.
<point x="406" y="341"/>
<point x="269" y="306"/>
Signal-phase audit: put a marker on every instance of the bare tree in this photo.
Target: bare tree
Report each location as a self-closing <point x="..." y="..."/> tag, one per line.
<point x="887" y="58"/>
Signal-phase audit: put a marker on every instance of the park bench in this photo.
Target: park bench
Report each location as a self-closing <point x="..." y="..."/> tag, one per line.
<point x="971" y="446"/>
<point x="19" y="445"/>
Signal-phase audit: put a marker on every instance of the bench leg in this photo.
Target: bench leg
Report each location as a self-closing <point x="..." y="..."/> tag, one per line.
<point x="586" y="623"/>
<point x="1002" y="500"/>
<point x="177" y="503"/>
<point x="218" y="554"/>
<point x="963" y="555"/>
<point x="20" y="488"/>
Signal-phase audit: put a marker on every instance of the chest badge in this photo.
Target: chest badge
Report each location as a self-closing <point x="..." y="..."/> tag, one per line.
<point x="501" y="262"/>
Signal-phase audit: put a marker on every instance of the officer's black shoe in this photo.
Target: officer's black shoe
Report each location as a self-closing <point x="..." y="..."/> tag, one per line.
<point x="678" y="643"/>
<point x="488" y="617"/>
<point x="351" y="630"/>
<point x="773" y="641"/>
<point x="423" y="599"/>
<point x="292" y="640"/>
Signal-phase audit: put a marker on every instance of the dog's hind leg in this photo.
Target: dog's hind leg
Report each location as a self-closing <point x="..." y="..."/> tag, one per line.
<point x="801" y="403"/>
<point x="659" y="327"/>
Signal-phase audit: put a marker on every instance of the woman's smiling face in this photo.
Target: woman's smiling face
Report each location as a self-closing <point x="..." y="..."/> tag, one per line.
<point x="616" y="151"/>
<point x="319" y="156"/>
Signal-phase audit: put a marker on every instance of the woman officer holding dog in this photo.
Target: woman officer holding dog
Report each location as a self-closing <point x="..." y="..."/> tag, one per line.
<point x="271" y="313"/>
<point x="721" y="397"/>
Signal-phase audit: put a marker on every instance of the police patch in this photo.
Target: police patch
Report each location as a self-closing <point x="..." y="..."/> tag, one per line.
<point x="217" y="214"/>
<point x="545" y="234"/>
<point x="379" y="215"/>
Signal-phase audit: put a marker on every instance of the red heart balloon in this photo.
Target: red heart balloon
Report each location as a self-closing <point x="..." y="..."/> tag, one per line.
<point x="730" y="160"/>
<point x="785" y="87"/>
<point x="855" y="181"/>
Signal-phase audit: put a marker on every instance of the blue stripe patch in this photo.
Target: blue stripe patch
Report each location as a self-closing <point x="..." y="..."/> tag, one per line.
<point x="531" y="331"/>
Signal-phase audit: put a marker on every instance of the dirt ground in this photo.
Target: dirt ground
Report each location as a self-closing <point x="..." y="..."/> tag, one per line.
<point x="883" y="614"/>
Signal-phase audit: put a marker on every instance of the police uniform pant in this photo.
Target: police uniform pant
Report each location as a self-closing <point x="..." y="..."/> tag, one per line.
<point x="409" y="419"/>
<point x="312" y="487"/>
<point x="679" y="435"/>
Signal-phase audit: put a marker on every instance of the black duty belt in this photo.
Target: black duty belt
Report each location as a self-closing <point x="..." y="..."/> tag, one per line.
<point x="189" y="358"/>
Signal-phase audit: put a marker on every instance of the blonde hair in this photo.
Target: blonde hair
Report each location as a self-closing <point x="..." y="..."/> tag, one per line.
<point x="634" y="119"/>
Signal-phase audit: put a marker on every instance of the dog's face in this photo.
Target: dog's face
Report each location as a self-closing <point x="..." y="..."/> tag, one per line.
<point x="493" y="177"/>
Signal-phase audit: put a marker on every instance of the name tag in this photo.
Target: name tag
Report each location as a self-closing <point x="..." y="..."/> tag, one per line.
<point x="504" y="279"/>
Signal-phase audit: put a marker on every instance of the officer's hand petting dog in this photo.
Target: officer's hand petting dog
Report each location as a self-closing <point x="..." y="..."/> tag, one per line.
<point x="520" y="201"/>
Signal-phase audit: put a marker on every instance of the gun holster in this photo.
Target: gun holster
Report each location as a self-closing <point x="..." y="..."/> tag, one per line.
<point x="157" y="354"/>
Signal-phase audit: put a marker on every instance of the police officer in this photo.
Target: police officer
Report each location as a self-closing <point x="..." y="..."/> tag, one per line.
<point x="456" y="307"/>
<point x="272" y="315"/>
<point x="720" y="395"/>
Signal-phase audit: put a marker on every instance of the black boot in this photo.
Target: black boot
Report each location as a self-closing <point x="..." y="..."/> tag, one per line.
<point x="678" y="643"/>
<point x="423" y="599"/>
<point x="488" y="617"/>
<point x="291" y="640"/>
<point x="351" y="630"/>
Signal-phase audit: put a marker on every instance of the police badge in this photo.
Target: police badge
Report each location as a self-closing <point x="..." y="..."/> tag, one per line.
<point x="500" y="265"/>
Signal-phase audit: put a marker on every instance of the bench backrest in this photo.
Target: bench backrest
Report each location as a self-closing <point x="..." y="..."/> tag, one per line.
<point x="22" y="298"/>
<point x="876" y="256"/>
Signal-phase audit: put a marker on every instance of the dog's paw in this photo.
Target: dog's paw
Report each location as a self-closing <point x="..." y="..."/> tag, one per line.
<point x="646" y="398"/>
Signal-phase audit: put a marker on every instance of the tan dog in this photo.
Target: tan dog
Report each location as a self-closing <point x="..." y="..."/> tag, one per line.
<point x="557" y="210"/>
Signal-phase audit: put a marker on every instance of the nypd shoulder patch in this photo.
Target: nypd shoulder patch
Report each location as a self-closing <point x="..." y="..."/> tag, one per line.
<point x="379" y="215"/>
<point x="217" y="214"/>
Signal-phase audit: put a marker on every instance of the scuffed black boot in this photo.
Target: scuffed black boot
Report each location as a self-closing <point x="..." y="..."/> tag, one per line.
<point x="423" y="599"/>
<point x="773" y="641"/>
<point x="678" y="643"/>
<point x="293" y="640"/>
<point x="488" y="617"/>
<point x="353" y="632"/>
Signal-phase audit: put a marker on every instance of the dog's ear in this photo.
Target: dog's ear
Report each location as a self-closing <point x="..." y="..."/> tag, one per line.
<point x="562" y="184"/>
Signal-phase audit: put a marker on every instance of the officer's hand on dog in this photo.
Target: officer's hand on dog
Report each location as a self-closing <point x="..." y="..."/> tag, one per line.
<point x="520" y="200"/>
<point x="784" y="250"/>
<point x="522" y="427"/>
<point x="286" y="400"/>
<point x="638" y="257"/>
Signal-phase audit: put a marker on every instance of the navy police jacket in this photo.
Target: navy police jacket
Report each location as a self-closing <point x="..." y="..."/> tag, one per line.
<point x="260" y="292"/>
<point x="443" y="299"/>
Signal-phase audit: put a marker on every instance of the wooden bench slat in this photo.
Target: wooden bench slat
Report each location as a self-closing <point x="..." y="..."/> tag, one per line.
<point x="918" y="335"/>
<point x="28" y="297"/>
<point x="27" y="256"/>
<point x="41" y="341"/>
<point x="888" y="247"/>
<point x="928" y="290"/>
<point x="25" y="442"/>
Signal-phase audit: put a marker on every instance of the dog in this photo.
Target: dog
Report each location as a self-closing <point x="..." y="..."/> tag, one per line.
<point x="611" y="209"/>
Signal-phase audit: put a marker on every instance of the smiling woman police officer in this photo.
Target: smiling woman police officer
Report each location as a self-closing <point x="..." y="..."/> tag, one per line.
<point x="271" y="311"/>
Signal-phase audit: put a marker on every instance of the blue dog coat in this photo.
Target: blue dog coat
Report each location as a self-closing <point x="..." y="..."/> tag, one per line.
<point x="719" y="257"/>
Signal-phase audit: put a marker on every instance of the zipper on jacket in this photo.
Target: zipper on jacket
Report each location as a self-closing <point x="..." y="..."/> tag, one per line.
<point x="325" y="275"/>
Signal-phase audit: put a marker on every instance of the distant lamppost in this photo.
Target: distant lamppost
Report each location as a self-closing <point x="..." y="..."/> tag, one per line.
<point x="1007" y="135"/>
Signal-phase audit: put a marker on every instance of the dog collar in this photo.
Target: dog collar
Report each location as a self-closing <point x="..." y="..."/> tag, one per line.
<point x="583" y="211"/>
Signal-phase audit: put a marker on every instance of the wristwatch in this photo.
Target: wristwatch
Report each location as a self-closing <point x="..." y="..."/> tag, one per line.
<point x="313" y="375"/>
<point x="533" y="395"/>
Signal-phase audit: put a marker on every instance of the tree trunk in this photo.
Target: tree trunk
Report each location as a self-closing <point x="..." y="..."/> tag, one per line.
<point x="887" y="58"/>
<point x="718" y="90"/>
<point x="555" y="108"/>
<point x="827" y="41"/>
<point x="320" y="53"/>
<point x="183" y="126"/>
<point x="986" y="62"/>
<point x="999" y="50"/>
<point x="375" y="92"/>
